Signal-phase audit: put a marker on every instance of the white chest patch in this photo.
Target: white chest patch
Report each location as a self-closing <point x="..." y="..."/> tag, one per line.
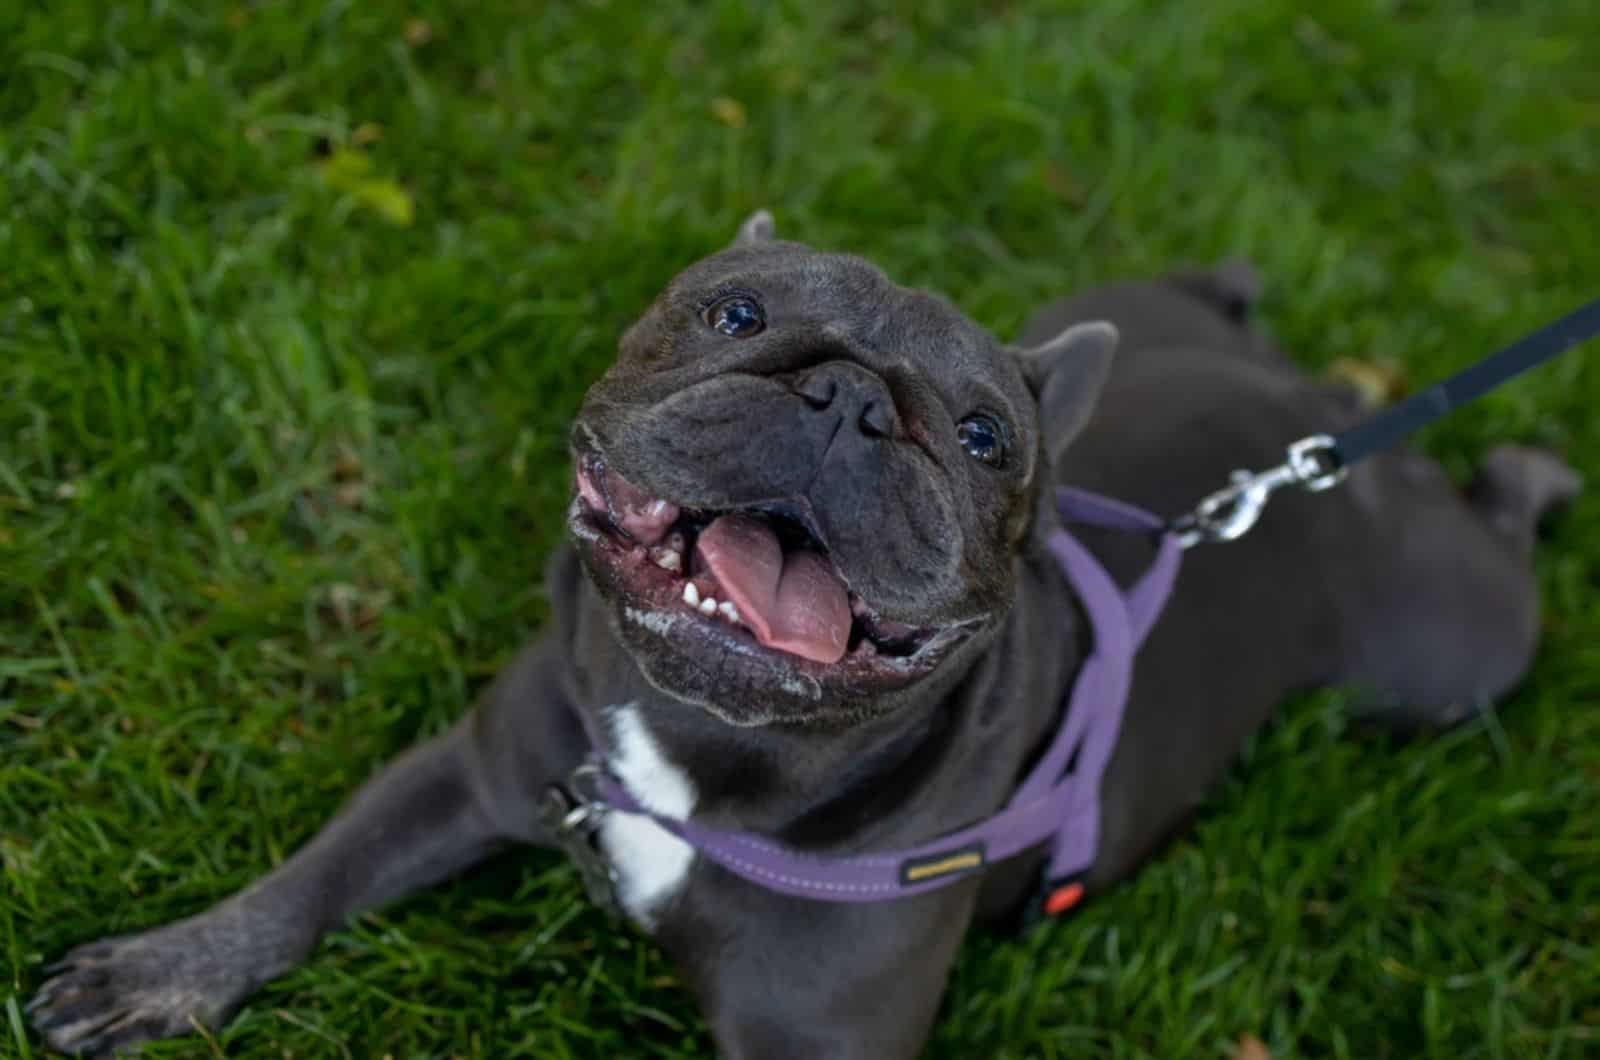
<point x="650" y="862"/>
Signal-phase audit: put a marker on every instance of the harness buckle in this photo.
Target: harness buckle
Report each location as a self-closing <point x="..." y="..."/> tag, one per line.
<point x="572" y="813"/>
<point x="1052" y="897"/>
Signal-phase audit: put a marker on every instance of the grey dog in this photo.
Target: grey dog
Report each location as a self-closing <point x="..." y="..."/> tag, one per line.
<point x="910" y="648"/>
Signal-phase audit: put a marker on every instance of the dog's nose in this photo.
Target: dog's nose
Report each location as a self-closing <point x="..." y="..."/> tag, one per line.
<point x="854" y="393"/>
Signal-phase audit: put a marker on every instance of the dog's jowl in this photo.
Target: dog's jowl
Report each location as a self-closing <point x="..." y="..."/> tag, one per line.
<point x="806" y="597"/>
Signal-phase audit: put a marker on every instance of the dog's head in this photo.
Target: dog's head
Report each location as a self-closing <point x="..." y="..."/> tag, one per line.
<point x="803" y="489"/>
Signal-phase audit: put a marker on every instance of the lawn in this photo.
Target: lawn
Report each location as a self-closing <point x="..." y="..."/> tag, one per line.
<point x="296" y="300"/>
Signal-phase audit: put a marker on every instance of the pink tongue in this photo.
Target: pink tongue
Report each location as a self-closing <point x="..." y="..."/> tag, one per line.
<point x="792" y="602"/>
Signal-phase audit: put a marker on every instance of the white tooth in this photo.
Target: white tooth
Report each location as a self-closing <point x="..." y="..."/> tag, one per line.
<point x="728" y="611"/>
<point x="667" y="559"/>
<point x="691" y="595"/>
<point x="708" y="606"/>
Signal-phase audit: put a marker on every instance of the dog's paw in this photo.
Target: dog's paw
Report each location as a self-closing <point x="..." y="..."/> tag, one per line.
<point x="1528" y="480"/>
<point x="1553" y="480"/>
<point x="110" y="996"/>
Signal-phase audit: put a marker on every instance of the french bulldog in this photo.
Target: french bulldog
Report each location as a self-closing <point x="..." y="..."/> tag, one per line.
<point x="806" y="596"/>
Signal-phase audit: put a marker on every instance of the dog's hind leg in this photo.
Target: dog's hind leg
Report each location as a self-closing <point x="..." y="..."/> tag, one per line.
<point x="1450" y="620"/>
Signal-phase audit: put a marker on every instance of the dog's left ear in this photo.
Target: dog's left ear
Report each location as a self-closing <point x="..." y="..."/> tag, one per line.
<point x="757" y="228"/>
<point x="1066" y="375"/>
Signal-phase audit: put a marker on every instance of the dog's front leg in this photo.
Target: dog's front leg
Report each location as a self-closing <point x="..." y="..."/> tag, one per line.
<point x="417" y="822"/>
<point x="788" y="979"/>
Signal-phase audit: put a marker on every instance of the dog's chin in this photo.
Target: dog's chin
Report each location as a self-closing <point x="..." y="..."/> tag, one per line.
<point x="684" y="631"/>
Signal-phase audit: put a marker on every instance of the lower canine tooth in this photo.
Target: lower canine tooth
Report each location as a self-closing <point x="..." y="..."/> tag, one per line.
<point x="667" y="559"/>
<point x="708" y="606"/>
<point x="691" y="595"/>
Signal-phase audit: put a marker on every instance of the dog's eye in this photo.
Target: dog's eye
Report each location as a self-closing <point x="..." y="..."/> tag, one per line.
<point x="983" y="439"/>
<point x="737" y="317"/>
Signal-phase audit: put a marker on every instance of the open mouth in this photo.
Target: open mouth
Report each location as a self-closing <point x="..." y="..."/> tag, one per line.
<point x="760" y="580"/>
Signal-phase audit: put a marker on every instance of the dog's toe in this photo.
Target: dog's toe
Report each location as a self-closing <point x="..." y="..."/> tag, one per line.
<point x="127" y="1029"/>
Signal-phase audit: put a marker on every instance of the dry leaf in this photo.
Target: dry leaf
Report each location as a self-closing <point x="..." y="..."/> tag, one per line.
<point x="1249" y="1047"/>
<point x="1064" y="185"/>
<point x="729" y="112"/>
<point x="351" y="495"/>
<point x="418" y="32"/>
<point x="1377" y="383"/>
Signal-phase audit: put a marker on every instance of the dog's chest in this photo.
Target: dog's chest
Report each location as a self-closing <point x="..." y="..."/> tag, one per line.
<point x="650" y="863"/>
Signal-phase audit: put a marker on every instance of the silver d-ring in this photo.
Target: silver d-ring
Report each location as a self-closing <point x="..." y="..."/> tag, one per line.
<point x="585" y="784"/>
<point x="1315" y="463"/>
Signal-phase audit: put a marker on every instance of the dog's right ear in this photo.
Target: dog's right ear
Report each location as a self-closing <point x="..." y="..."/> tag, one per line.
<point x="1066" y="374"/>
<point x="757" y="228"/>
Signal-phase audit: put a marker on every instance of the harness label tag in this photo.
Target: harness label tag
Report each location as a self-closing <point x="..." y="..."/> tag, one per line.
<point x="945" y="863"/>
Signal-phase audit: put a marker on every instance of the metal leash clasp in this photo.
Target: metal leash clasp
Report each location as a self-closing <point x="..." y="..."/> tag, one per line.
<point x="1229" y="513"/>
<point x="572" y="813"/>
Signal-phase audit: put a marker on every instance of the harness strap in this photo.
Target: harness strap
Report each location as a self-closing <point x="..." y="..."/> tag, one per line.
<point x="1079" y="837"/>
<point x="1050" y="805"/>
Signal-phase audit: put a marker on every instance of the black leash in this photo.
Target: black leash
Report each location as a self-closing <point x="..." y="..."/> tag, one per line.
<point x="1321" y="461"/>
<point x="1389" y="426"/>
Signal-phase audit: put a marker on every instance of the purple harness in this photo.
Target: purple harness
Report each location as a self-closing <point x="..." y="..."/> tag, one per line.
<point x="1050" y="806"/>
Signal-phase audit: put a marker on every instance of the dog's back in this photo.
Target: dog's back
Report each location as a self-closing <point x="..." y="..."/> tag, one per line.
<point x="1396" y="584"/>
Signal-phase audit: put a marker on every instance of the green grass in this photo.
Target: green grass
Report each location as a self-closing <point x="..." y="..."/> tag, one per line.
<point x="277" y="472"/>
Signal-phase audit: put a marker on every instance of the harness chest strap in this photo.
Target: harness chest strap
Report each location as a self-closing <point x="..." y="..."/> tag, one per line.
<point x="1051" y="805"/>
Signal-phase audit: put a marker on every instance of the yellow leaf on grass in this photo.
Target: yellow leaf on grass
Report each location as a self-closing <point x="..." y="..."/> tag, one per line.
<point x="729" y="112"/>
<point x="418" y="31"/>
<point x="389" y="200"/>
<point x="351" y="172"/>
<point x="345" y="168"/>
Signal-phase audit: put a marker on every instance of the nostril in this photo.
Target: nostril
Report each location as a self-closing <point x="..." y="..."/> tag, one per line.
<point x="877" y="419"/>
<point x="850" y="391"/>
<point x="818" y="390"/>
